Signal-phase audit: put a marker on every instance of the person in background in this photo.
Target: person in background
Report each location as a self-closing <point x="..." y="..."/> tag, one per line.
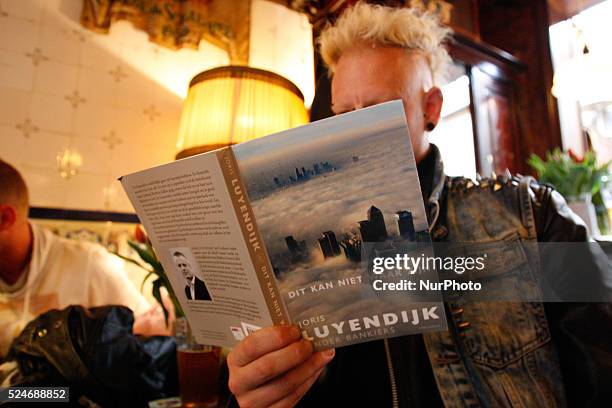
<point x="40" y="271"/>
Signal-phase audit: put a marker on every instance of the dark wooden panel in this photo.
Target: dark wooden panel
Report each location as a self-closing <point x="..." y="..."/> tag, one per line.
<point x="464" y="18"/>
<point x="477" y="52"/>
<point x="495" y="76"/>
<point x="521" y="28"/>
<point x="497" y="132"/>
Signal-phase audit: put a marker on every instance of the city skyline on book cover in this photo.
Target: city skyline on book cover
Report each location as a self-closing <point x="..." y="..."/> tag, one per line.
<point x="321" y="195"/>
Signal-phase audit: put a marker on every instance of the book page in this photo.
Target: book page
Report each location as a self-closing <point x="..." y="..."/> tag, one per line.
<point x="191" y="218"/>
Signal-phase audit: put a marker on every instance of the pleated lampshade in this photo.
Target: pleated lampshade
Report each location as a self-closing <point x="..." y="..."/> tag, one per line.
<point x="233" y="104"/>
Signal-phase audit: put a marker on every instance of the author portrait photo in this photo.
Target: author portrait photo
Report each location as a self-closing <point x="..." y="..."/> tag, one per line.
<point x="195" y="288"/>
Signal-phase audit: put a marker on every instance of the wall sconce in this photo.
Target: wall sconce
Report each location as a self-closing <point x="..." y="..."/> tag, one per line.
<point x="68" y="162"/>
<point x="233" y="104"/>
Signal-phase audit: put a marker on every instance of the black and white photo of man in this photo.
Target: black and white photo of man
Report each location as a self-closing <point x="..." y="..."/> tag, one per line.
<point x="195" y="289"/>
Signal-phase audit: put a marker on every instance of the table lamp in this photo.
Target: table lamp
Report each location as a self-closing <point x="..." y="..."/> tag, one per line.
<point x="233" y="104"/>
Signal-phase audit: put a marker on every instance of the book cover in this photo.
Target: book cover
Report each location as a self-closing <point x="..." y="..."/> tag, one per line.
<point x="330" y="197"/>
<point x="291" y="228"/>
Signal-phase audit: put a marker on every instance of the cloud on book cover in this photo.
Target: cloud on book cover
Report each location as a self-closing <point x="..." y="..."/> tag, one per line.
<point x="339" y="200"/>
<point x="310" y="139"/>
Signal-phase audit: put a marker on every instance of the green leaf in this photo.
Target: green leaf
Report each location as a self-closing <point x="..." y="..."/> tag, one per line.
<point x="154" y="267"/>
<point x="157" y="284"/>
<point x="146" y="255"/>
<point x="569" y="177"/>
<point x="150" y="249"/>
<point x="145" y="279"/>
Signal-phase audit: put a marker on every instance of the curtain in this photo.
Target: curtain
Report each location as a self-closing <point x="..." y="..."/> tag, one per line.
<point x="178" y="23"/>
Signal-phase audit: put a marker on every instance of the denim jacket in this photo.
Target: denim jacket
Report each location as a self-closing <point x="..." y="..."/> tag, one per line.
<point x="494" y="354"/>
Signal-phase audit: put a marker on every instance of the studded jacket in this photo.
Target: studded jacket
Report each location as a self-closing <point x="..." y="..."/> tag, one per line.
<point x="494" y="354"/>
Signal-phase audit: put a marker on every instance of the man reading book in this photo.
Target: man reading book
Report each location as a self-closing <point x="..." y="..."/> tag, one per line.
<point x="494" y="353"/>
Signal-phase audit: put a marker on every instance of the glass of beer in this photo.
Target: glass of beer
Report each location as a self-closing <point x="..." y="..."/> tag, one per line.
<point x="198" y="370"/>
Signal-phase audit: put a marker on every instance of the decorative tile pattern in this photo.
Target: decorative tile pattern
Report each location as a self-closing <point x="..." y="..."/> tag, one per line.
<point x="112" y="140"/>
<point x="51" y="112"/>
<point x="118" y="74"/>
<point x="151" y="112"/>
<point x="75" y="99"/>
<point x="27" y="128"/>
<point x="37" y="56"/>
<point x="81" y="35"/>
<point x="106" y="96"/>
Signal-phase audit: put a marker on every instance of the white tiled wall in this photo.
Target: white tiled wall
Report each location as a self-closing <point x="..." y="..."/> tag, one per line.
<point x="115" y="98"/>
<point x="281" y="41"/>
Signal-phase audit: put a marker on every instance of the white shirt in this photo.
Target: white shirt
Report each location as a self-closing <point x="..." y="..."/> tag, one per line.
<point x="191" y="284"/>
<point x="61" y="273"/>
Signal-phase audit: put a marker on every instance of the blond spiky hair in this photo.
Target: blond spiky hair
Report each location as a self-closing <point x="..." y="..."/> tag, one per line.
<point x="386" y="26"/>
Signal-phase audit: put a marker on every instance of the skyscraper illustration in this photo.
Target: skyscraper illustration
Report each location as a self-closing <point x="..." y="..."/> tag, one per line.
<point x="298" y="249"/>
<point x="405" y="224"/>
<point x="352" y="248"/>
<point x="365" y="230"/>
<point x="373" y="229"/>
<point x="329" y="244"/>
<point x="292" y="244"/>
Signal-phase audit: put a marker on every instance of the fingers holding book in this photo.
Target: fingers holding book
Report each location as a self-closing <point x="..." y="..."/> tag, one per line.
<point x="274" y="366"/>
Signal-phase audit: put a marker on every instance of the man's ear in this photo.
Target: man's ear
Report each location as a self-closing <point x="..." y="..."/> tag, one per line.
<point x="432" y="107"/>
<point x="8" y="216"/>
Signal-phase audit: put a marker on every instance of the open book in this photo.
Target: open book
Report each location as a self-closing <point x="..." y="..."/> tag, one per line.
<point x="287" y="228"/>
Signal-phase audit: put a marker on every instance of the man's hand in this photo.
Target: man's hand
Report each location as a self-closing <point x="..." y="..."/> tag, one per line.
<point x="274" y="367"/>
